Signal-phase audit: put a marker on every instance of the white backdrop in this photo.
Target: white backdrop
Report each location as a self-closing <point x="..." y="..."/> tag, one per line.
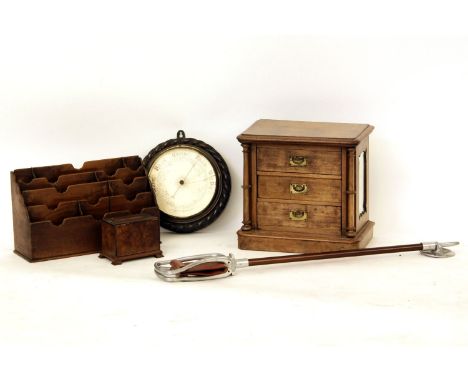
<point x="98" y="80"/>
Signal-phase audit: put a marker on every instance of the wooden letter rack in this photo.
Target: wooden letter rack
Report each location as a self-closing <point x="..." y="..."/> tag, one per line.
<point x="57" y="210"/>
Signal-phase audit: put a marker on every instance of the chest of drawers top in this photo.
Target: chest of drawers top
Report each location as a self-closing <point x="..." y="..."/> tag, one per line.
<point x="300" y="132"/>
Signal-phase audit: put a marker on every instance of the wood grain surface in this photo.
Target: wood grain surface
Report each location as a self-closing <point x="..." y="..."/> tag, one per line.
<point x="319" y="160"/>
<point x="320" y="219"/>
<point x="329" y="133"/>
<point x="325" y="191"/>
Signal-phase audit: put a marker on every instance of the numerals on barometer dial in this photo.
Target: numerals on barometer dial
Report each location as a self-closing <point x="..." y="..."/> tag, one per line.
<point x="191" y="183"/>
<point x="184" y="181"/>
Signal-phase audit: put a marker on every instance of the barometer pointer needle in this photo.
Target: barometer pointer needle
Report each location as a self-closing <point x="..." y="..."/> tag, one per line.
<point x="185" y="177"/>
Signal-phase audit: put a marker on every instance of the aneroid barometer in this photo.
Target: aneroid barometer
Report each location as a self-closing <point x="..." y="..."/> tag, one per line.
<point x="191" y="182"/>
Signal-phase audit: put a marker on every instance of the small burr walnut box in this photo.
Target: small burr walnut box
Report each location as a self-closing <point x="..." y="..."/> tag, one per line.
<point x="305" y="186"/>
<point x="130" y="236"/>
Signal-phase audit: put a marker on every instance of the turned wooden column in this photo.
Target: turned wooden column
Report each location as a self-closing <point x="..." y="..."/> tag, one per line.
<point x="351" y="193"/>
<point x="247" y="186"/>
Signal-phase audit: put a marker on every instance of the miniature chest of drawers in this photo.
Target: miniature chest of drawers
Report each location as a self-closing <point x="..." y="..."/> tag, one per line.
<point x="305" y="186"/>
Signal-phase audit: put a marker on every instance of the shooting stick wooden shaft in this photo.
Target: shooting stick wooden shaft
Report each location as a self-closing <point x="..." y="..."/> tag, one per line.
<point x="334" y="254"/>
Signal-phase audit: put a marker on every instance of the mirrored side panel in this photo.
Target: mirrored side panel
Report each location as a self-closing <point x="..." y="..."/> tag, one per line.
<point x="362" y="189"/>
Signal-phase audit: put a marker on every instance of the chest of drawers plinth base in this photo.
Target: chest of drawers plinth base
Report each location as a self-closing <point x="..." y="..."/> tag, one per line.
<point x="305" y="187"/>
<point x="260" y="240"/>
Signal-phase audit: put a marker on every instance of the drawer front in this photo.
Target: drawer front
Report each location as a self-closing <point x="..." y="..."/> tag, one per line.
<point x="300" y="188"/>
<point x="299" y="159"/>
<point x="294" y="217"/>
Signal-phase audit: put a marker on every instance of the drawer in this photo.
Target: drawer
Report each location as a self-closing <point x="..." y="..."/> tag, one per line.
<point x="295" y="217"/>
<point x="299" y="159"/>
<point x="300" y="188"/>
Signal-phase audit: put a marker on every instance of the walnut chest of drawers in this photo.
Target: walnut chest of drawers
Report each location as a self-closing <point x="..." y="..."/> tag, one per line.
<point x="305" y="186"/>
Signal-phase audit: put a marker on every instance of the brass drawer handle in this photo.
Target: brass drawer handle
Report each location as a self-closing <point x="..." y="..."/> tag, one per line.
<point x="296" y="188"/>
<point x="298" y="215"/>
<point x="297" y="161"/>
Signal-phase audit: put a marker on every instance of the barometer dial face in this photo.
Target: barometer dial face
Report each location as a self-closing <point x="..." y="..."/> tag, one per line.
<point x="184" y="181"/>
<point x="190" y="181"/>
